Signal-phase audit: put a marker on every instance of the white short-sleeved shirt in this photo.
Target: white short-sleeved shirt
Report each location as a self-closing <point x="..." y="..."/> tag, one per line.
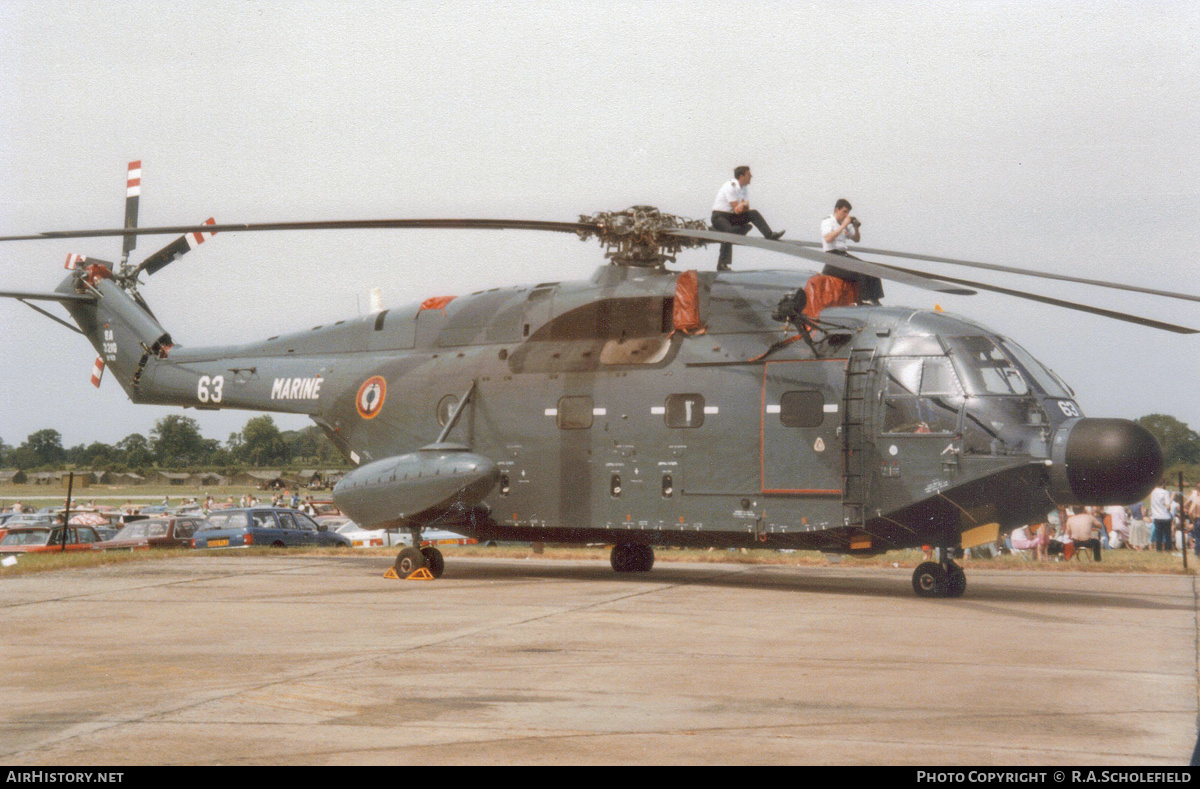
<point x="1160" y="504"/>
<point x="828" y="225"/>
<point x="1119" y="520"/>
<point x="731" y="192"/>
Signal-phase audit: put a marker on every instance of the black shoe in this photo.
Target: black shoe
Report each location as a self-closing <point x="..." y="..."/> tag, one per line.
<point x="776" y="236"/>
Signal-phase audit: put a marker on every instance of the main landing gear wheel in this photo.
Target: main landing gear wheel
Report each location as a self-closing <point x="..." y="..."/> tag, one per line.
<point x="931" y="579"/>
<point x="408" y="560"/>
<point x="434" y="561"/>
<point x="632" y="558"/>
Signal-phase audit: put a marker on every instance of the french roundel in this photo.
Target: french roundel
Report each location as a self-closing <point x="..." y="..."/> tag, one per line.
<point x="370" y="397"/>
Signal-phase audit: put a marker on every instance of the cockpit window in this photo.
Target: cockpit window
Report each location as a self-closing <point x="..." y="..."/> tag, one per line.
<point x="1046" y="380"/>
<point x="983" y="369"/>
<point x="938" y="378"/>
<point x="917" y="345"/>
<point x="903" y="376"/>
<point x="922" y="395"/>
<point x="928" y="376"/>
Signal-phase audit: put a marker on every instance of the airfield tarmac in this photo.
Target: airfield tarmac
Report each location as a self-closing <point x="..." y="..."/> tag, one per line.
<point x="312" y="659"/>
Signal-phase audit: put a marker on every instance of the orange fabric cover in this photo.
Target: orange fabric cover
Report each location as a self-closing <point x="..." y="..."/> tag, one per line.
<point x="825" y="291"/>
<point x="436" y="302"/>
<point x="686" y="314"/>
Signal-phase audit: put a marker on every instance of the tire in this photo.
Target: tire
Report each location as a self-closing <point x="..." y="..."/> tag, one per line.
<point x="632" y="558"/>
<point x="407" y="561"/>
<point x="621" y="558"/>
<point x="434" y="561"/>
<point x="956" y="582"/>
<point x="929" y="580"/>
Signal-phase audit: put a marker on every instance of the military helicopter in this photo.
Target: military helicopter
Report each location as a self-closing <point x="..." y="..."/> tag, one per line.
<point x="645" y="406"/>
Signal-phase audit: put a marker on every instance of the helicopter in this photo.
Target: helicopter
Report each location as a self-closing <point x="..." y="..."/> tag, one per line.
<point x="648" y="407"/>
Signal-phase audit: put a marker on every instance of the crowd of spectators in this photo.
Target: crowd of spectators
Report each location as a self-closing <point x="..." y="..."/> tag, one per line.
<point x="1170" y="522"/>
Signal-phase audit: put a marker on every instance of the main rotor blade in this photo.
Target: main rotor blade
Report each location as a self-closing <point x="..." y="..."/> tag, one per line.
<point x="1010" y="270"/>
<point x="348" y="224"/>
<point x="76" y="298"/>
<point x="1070" y="305"/>
<point x="915" y="279"/>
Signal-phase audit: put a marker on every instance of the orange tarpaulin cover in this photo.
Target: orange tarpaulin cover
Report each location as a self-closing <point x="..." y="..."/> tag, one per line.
<point x="436" y="302"/>
<point x="825" y="291"/>
<point x="686" y="314"/>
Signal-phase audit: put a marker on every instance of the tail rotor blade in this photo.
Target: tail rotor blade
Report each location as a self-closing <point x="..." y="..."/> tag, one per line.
<point x="82" y="261"/>
<point x="133" y="191"/>
<point x="175" y="250"/>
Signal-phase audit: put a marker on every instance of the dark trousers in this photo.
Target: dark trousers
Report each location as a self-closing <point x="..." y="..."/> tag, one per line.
<point x="869" y="288"/>
<point x="1093" y="544"/>
<point x="725" y="222"/>
<point x="1161" y="536"/>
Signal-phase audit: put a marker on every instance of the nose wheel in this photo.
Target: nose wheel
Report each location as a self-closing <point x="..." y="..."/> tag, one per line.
<point x="939" y="579"/>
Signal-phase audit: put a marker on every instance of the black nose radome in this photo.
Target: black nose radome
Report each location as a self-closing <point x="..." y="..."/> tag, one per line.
<point x="1104" y="461"/>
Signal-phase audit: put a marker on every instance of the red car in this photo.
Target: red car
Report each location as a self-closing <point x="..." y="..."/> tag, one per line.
<point x="47" y="539"/>
<point x="162" y="532"/>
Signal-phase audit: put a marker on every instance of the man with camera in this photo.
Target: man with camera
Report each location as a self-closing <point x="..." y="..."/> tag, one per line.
<point x="839" y="226"/>
<point x="836" y="229"/>
<point x="731" y="213"/>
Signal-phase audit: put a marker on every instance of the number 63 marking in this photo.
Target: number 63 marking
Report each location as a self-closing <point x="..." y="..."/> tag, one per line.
<point x="204" y="394"/>
<point x="1069" y="408"/>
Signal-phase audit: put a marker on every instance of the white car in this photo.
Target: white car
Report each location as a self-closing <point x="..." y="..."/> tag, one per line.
<point x="380" y="538"/>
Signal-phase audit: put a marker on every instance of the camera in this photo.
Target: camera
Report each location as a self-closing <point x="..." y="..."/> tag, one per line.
<point x="854" y="221"/>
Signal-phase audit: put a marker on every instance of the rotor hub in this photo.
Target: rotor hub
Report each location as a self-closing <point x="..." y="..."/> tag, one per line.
<point x="637" y="236"/>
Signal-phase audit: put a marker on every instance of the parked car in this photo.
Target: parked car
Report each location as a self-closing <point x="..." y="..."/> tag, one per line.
<point x="325" y="507"/>
<point x="358" y="536"/>
<point x="379" y="538"/>
<point x="273" y="526"/>
<point x="169" y="532"/>
<point x="45" y="539"/>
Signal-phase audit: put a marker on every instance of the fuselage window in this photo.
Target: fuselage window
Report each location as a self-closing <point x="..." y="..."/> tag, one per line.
<point x="575" y="413"/>
<point x="802" y="408"/>
<point x="685" y="410"/>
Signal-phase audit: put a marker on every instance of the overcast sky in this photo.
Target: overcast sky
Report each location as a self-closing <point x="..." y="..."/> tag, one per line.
<point x="1060" y="136"/>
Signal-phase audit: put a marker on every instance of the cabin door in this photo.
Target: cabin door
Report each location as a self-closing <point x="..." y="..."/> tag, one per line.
<point x="801" y="451"/>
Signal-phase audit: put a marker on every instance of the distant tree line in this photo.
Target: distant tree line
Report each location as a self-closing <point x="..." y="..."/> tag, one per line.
<point x="175" y="442"/>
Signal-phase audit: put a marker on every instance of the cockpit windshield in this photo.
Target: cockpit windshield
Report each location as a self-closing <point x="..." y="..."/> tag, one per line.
<point x="1046" y="380"/>
<point x="983" y="369"/>
<point x="978" y="393"/>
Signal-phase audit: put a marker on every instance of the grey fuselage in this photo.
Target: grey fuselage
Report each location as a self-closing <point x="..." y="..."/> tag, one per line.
<point x="905" y="427"/>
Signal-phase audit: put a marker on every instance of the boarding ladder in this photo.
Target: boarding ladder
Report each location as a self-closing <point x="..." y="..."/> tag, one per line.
<point x="855" y="407"/>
